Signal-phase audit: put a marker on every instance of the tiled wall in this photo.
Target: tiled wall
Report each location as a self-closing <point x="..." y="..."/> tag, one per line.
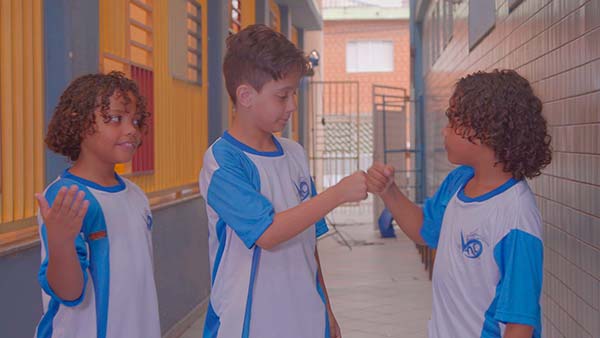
<point x="556" y="45"/>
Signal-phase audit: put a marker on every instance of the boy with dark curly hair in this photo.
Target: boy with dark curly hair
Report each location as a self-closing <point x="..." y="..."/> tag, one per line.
<point x="483" y="220"/>
<point x="95" y="226"/>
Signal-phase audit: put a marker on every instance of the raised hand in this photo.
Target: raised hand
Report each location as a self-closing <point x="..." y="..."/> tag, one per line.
<point x="64" y="219"/>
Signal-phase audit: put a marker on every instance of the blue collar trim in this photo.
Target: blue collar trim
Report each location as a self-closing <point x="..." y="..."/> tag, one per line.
<point x="245" y="148"/>
<point x="482" y="198"/>
<point x="115" y="188"/>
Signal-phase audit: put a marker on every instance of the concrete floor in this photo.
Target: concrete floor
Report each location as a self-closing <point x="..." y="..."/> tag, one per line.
<point x="378" y="289"/>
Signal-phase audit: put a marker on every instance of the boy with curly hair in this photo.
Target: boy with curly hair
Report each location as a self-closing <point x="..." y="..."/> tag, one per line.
<point x="483" y="220"/>
<point x="95" y="226"/>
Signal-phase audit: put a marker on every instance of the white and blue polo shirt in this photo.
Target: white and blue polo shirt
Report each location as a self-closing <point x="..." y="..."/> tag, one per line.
<point x="115" y="251"/>
<point x="489" y="262"/>
<point x="260" y="293"/>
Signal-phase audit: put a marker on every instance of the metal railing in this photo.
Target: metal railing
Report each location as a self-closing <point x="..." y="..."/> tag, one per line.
<point x="335" y="144"/>
<point x="27" y="235"/>
<point x="394" y="125"/>
<point x="365" y="3"/>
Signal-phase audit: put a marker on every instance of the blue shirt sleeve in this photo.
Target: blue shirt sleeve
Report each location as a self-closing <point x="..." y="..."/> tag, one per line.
<point x="321" y="225"/>
<point x="435" y="207"/>
<point x="519" y="256"/>
<point x="234" y="194"/>
<point x="80" y="247"/>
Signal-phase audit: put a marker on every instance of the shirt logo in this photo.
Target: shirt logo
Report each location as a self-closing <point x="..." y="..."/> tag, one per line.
<point x="302" y="188"/>
<point x="472" y="247"/>
<point x="148" y="219"/>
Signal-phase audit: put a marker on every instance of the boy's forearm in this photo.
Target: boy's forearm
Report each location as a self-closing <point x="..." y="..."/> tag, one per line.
<point x="64" y="272"/>
<point x="407" y="214"/>
<point x="518" y="331"/>
<point x="289" y="223"/>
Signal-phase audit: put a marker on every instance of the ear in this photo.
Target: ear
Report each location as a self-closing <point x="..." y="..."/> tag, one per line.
<point x="246" y="95"/>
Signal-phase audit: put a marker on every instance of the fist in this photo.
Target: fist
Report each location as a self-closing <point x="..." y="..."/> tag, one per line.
<point x="353" y="188"/>
<point x="379" y="178"/>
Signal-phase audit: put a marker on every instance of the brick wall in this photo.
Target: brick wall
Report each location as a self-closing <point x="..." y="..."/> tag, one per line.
<point x="336" y="34"/>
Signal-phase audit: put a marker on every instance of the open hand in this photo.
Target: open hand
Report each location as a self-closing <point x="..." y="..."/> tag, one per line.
<point x="64" y="219"/>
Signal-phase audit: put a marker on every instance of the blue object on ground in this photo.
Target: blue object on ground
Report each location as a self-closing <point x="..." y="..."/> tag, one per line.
<point x="385" y="224"/>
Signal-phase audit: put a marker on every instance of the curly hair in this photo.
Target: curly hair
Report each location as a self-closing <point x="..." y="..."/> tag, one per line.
<point x="74" y="116"/>
<point x="500" y="109"/>
<point x="258" y="54"/>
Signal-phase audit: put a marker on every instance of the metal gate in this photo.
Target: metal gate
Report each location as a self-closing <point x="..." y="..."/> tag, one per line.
<point x="395" y="136"/>
<point x="334" y="148"/>
<point x="341" y="141"/>
<point x="345" y="139"/>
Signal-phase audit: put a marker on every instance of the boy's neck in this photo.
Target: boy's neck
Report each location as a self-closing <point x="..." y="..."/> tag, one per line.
<point x="252" y="137"/>
<point x="491" y="175"/>
<point x="487" y="178"/>
<point x="95" y="171"/>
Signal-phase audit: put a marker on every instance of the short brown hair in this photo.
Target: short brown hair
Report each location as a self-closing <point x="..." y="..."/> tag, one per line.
<point x="257" y="55"/>
<point x="74" y="117"/>
<point x="501" y="110"/>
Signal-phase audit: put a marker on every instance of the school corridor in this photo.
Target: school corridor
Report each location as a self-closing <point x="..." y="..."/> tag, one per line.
<point x="381" y="75"/>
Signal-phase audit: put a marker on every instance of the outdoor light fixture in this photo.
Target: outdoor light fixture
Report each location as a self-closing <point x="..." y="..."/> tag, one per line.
<point x="314" y="58"/>
<point x="313" y="61"/>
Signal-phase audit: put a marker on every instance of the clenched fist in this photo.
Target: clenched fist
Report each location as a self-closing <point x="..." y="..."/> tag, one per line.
<point x="353" y="188"/>
<point x="379" y="178"/>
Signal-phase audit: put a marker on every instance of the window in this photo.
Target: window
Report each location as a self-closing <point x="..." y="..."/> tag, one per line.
<point x="1" y="46"/>
<point x="143" y="160"/>
<point x="436" y="32"/>
<point x="443" y="24"/>
<point x="369" y="56"/>
<point x="194" y="41"/>
<point x="295" y="36"/>
<point x="140" y="32"/>
<point x="139" y="67"/>
<point x="427" y="57"/>
<point x="482" y="18"/>
<point x="141" y="41"/>
<point x="448" y="22"/>
<point x="1" y="135"/>
<point x="185" y="40"/>
<point x="235" y="22"/>
<point x="22" y="114"/>
<point x="439" y="29"/>
<point x="512" y="4"/>
<point x="274" y="20"/>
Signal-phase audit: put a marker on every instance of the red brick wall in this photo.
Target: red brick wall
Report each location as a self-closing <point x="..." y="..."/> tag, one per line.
<point x="337" y="33"/>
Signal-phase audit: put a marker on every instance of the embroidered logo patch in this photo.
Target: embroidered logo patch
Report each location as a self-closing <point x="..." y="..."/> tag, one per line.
<point x="472" y="246"/>
<point x="303" y="188"/>
<point x="148" y="219"/>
